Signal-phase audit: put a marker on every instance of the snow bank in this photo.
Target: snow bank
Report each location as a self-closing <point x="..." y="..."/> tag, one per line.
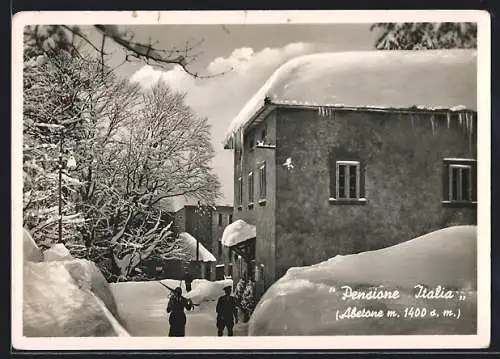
<point x="31" y="252"/>
<point x="308" y="300"/>
<point x="68" y="299"/>
<point x="237" y="232"/>
<point x="189" y="242"/>
<point x="431" y="79"/>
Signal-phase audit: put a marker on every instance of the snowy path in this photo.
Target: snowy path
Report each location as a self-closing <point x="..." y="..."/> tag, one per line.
<point x="141" y="306"/>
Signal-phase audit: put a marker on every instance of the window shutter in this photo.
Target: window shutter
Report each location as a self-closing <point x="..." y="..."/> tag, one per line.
<point x="333" y="177"/>
<point x="362" y="171"/>
<point x="446" y="182"/>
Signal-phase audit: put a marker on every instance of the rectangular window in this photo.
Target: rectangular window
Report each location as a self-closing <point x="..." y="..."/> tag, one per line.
<point x="230" y="219"/>
<point x="347" y="180"/>
<point x="250" y="188"/>
<point x="459" y="181"/>
<point x="262" y="181"/>
<point x="220" y="219"/>
<point x="239" y="192"/>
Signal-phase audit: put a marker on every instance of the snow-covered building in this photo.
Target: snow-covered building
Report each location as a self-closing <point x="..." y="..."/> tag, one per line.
<point x="205" y="223"/>
<point x="340" y="153"/>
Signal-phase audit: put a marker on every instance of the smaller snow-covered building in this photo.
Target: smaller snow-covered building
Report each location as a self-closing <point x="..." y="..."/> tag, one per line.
<point x="195" y="250"/>
<point x="340" y="153"/>
<point x="205" y="223"/>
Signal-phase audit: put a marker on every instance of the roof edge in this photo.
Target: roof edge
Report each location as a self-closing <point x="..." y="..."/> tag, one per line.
<point x="340" y="107"/>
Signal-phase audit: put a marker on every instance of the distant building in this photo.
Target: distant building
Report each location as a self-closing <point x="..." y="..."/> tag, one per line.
<point x="348" y="152"/>
<point x="206" y="224"/>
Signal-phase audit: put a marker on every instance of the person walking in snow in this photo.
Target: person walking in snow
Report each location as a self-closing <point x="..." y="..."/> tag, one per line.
<point x="188" y="279"/>
<point x="177" y="319"/>
<point x="226" y="310"/>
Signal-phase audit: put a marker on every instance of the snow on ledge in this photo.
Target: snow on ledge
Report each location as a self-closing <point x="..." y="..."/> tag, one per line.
<point x="237" y="232"/>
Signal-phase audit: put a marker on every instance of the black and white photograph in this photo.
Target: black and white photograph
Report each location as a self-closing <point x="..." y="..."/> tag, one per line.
<point x="251" y="180"/>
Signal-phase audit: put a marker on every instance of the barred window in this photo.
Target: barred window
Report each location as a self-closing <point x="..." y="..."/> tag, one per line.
<point x="348" y="180"/>
<point x="459" y="181"/>
<point x="239" y="191"/>
<point x="262" y="181"/>
<point x="250" y="188"/>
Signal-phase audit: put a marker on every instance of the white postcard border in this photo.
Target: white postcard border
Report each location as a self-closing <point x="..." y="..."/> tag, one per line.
<point x="480" y="340"/>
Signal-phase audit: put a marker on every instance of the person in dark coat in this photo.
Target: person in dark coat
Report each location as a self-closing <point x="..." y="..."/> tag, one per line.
<point x="226" y="311"/>
<point x="188" y="279"/>
<point x="177" y="319"/>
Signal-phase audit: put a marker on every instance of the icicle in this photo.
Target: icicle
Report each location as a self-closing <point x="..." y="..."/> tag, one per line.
<point x="242" y="148"/>
<point x="469" y="128"/>
<point x="432" y="125"/>
<point x="467" y="120"/>
<point x="448" y="118"/>
<point x="469" y="132"/>
<point x="460" y="119"/>
<point x="471" y="123"/>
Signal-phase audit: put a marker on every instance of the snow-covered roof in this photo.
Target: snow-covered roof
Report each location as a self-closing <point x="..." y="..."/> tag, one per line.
<point x="189" y="243"/>
<point x="237" y="232"/>
<point x="425" y="79"/>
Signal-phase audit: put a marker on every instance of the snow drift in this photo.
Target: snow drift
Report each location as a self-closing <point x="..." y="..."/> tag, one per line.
<point x="308" y="300"/>
<point x="68" y="299"/>
<point x="189" y="243"/>
<point x="440" y="79"/>
<point x="31" y="252"/>
<point x="237" y="232"/>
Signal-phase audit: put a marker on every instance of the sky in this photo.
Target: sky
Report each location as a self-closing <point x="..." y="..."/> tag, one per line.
<point x="250" y="52"/>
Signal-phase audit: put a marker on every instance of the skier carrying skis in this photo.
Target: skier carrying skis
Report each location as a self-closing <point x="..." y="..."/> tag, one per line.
<point x="177" y="318"/>
<point x="226" y="310"/>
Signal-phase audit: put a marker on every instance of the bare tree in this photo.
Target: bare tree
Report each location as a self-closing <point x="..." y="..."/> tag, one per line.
<point x="73" y="38"/>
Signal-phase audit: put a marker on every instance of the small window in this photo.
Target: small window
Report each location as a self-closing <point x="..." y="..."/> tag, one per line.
<point x="347" y="175"/>
<point x="250" y="188"/>
<point x="251" y="144"/>
<point x="262" y="181"/>
<point x="263" y="136"/>
<point x="230" y="219"/>
<point x="220" y="219"/>
<point x="459" y="181"/>
<point x="219" y="248"/>
<point x="239" y="192"/>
